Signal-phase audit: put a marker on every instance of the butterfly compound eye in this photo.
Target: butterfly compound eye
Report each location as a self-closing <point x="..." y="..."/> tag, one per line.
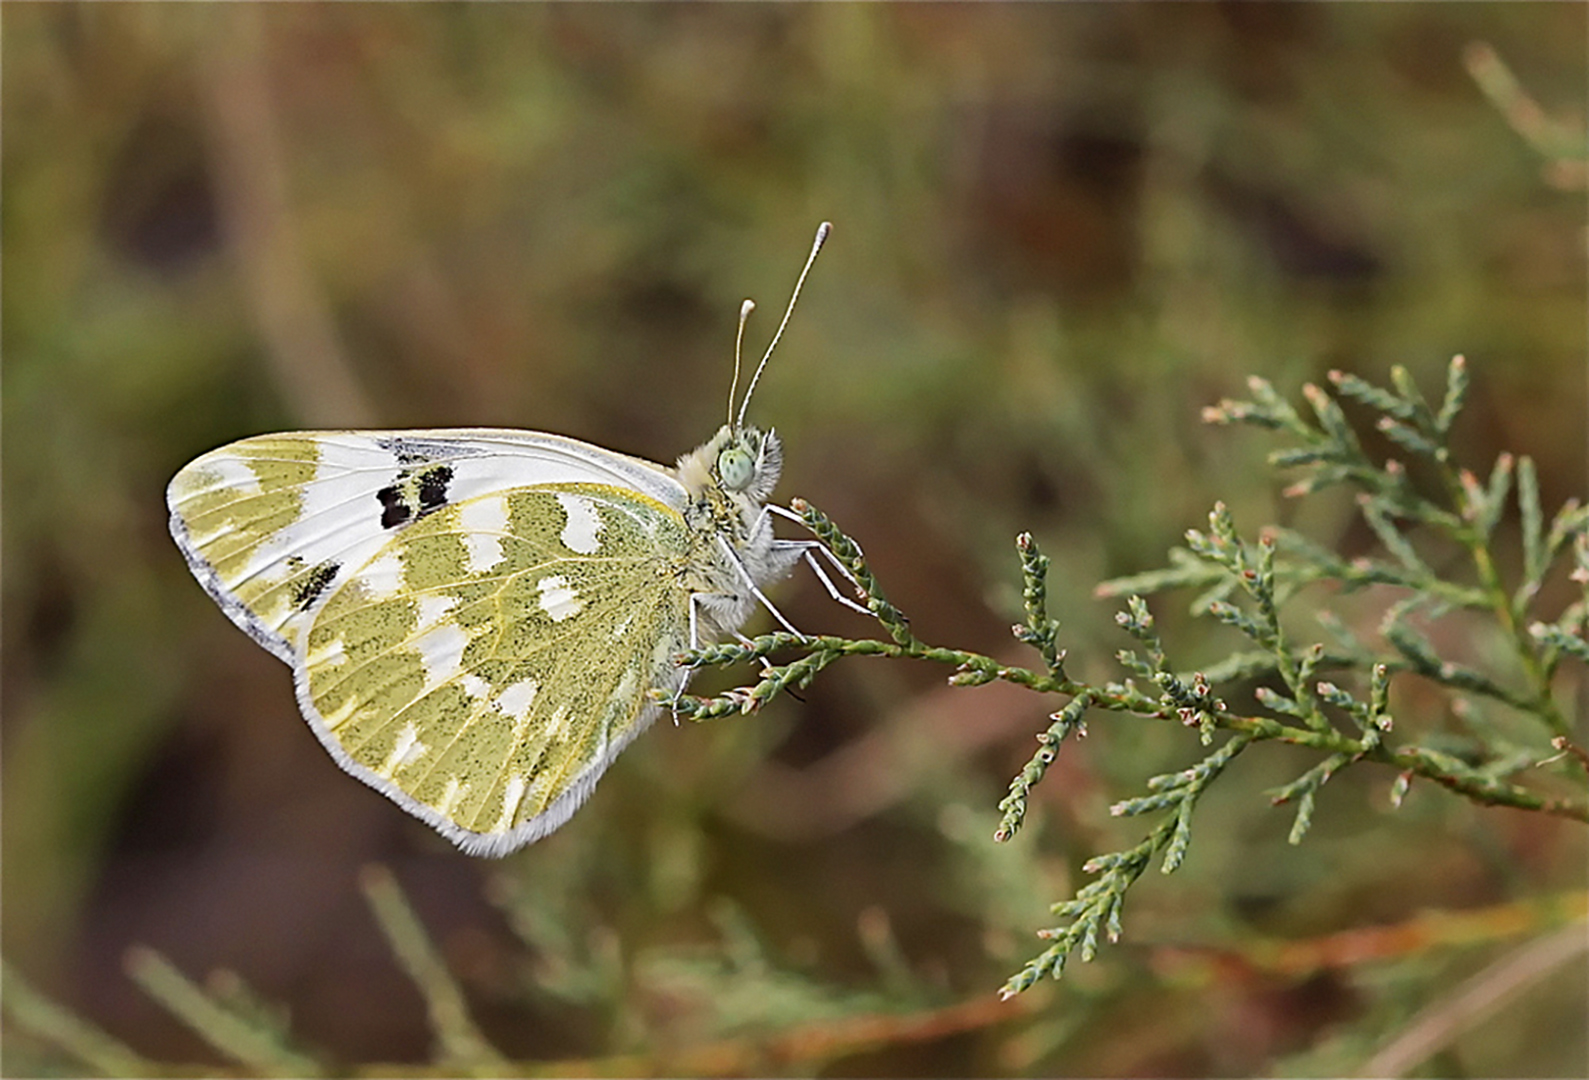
<point x="736" y="468"/>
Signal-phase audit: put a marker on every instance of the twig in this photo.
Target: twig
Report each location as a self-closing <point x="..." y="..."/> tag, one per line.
<point x="1436" y="1026"/>
<point x="798" y="1049"/>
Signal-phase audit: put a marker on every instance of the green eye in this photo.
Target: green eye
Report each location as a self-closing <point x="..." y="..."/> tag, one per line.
<point x="736" y="468"/>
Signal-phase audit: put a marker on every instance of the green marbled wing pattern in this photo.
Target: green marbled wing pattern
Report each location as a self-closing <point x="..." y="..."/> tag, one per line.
<point x="230" y="505"/>
<point x="491" y="660"/>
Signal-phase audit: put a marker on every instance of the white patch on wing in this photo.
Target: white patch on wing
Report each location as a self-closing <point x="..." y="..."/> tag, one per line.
<point x="383" y="578"/>
<point x="582" y="532"/>
<point x="231" y="472"/>
<point x="484" y="515"/>
<point x="559" y="727"/>
<point x="474" y="685"/>
<point x="433" y="609"/>
<point x="332" y="652"/>
<point x="339" y="492"/>
<point x="482" y="521"/>
<point x="512" y="795"/>
<point x="623" y="625"/>
<point x="342" y="715"/>
<point x="482" y="552"/>
<point x="516" y="700"/>
<point x="451" y="796"/>
<point x="665" y="648"/>
<point x="503" y="459"/>
<point x="557" y="599"/>
<point x="625" y="687"/>
<point x="441" y="651"/>
<point x="265" y="574"/>
<point x="407" y="750"/>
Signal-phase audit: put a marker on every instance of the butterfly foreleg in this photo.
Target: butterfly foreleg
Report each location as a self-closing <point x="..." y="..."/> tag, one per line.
<point x="806" y="548"/>
<point x="790" y="515"/>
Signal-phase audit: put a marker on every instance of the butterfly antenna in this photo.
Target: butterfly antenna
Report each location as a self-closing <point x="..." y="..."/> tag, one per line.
<point x="739" y="340"/>
<point x="816" y="246"/>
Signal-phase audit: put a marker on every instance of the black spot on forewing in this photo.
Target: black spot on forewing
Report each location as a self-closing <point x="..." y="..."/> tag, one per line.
<point x="433" y="488"/>
<point x="394" y="511"/>
<point x="414" y="494"/>
<point x="309" y="589"/>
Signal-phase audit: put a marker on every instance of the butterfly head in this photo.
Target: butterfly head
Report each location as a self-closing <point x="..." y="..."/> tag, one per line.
<point x="739" y="460"/>
<point x="750" y="462"/>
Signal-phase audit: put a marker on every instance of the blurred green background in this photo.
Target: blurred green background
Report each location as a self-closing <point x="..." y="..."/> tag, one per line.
<point x="1059" y="232"/>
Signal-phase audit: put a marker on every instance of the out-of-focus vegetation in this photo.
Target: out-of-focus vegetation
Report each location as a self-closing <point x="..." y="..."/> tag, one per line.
<point x="1320" y="681"/>
<point x="1060" y="231"/>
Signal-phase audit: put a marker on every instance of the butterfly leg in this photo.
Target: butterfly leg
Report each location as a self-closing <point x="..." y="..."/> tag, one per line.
<point x="790" y="515"/>
<point x="827" y="582"/>
<point x="695" y="643"/>
<point x="837" y="565"/>
<point x="806" y="548"/>
<point x="755" y="590"/>
<point x="695" y="634"/>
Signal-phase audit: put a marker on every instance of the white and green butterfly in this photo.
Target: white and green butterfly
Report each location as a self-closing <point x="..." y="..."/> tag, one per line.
<point x="475" y="617"/>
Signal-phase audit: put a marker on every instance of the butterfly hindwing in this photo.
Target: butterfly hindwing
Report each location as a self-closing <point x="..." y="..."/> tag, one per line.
<point x="491" y="659"/>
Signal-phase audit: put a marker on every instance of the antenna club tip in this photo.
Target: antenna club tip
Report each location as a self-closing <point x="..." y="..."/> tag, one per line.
<point x="739" y="419"/>
<point x="747" y="307"/>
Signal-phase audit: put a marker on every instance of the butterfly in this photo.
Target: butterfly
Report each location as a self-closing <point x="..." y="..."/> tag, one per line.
<point x="476" y="619"/>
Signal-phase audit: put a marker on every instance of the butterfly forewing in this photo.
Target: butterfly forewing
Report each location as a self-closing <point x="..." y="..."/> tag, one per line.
<point x="491" y="658"/>
<point x="271" y="524"/>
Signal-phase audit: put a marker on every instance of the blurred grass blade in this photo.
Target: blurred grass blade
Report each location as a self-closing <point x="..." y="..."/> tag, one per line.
<point x="253" y="1046"/>
<point x="32" y="1012"/>
<point x="460" y="1043"/>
